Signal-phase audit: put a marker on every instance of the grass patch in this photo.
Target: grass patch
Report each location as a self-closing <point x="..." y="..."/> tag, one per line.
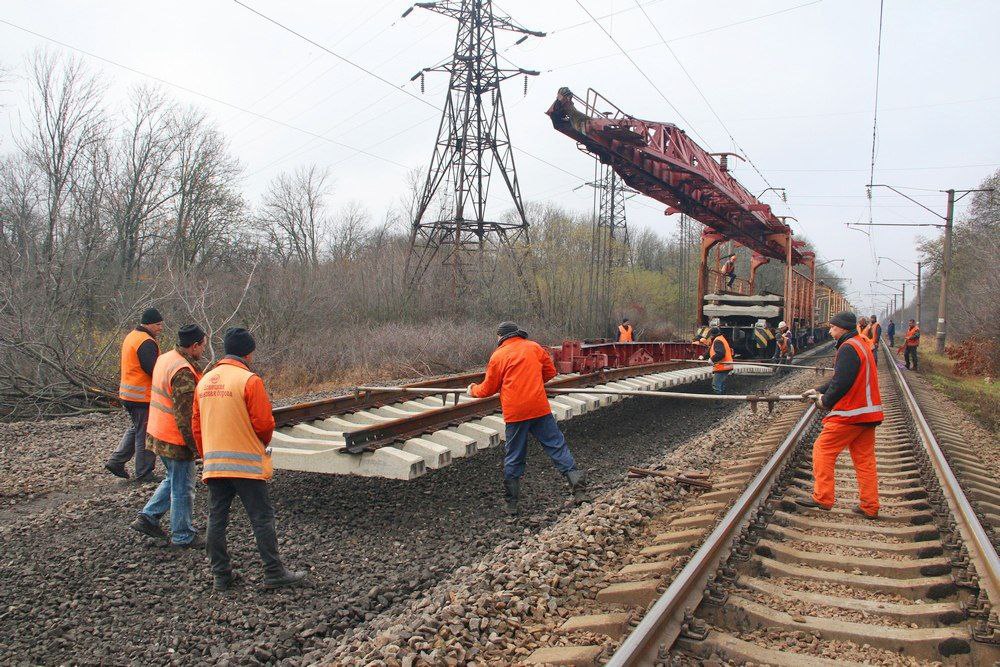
<point x="976" y="395"/>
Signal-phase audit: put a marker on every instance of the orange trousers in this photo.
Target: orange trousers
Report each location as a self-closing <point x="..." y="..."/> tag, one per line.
<point x="859" y="439"/>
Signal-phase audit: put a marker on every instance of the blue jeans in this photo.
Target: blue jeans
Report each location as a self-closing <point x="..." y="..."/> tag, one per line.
<point x="546" y="431"/>
<point x="175" y="493"/>
<point x="719" y="381"/>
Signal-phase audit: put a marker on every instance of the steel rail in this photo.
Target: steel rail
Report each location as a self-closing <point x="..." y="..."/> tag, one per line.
<point x="975" y="537"/>
<point x="662" y="624"/>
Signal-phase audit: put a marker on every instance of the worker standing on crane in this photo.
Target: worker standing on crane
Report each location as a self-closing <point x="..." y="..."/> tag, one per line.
<point x="625" y="331"/>
<point x="855" y="409"/>
<point x="519" y="369"/>
<point x="729" y="271"/>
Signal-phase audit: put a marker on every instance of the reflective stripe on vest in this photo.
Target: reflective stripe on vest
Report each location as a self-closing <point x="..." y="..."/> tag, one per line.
<point x="162" y="423"/>
<point x="134" y="383"/>
<point x="230" y="446"/>
<point x="857" y="405"/>
<point x="726" y="363"/>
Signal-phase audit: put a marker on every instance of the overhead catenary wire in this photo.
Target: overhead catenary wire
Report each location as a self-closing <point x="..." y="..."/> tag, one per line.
<point x="871" y="172"/>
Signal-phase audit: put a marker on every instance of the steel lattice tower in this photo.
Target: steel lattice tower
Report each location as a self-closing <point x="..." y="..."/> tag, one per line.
<point x="609" y="243"/>
<point x="473" y="146"/>
<point x="685" y="269"/>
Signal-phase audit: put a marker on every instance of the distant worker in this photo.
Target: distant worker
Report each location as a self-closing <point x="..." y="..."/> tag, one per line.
<point x="874" y="334"/>
<point x="519" y="369"/>
<point x="910" y="344"/>
<point x="855" y="409"/>
<point x="138" y="357"/>
<point x="721" y="355"/>
<point x="863" y="330"/>
<point x="891" y="333"/>
<point x="625" y="331"/>
<point x="784" y="348"/>
<point x="729" y="271"/>
<point x="169" y="434"/>
<point x="232" y="424"/>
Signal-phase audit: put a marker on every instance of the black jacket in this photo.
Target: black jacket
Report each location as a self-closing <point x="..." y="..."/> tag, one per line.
<point x="845" y="371"/>
<point x="718" y="351"/>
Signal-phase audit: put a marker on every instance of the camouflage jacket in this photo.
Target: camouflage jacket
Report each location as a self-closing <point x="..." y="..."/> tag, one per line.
<point x="182" y="392"/>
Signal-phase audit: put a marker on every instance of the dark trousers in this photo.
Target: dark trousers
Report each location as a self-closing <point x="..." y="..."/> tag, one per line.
<point x="550" y="437"/>
<point x="253" y="494"/>
<point x="892" y="340"/>
<point x="910" y="353"/>
<point x="730" y="279"/>
<point x="133" y="443"/>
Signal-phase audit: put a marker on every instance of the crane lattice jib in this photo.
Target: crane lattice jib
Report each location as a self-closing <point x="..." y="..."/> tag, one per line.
<point x="661" y="161"/>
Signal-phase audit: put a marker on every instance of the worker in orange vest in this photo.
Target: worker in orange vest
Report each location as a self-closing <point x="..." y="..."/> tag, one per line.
<point x="729" y="271"/>
<point x="138" y="357"/>
<point x="625" y="331"/>
<point x="855" y="409"/>
<point x="874" y="333"/>
<point x="910" y="343"/>
<point x="519" y="369"/>
<point x="863" y="330"/>
<point x="721" y="354"/>
<point x="169" y="434"/>
<point x="232" y="425"/>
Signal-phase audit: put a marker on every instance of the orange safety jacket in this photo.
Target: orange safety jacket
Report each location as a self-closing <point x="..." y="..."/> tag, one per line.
<point x="862" y="404"/>
<point x="875" y="332"/>
<point x="134" y="383"/>
<point x="912" y="340"/>
<point x="162" y="424"/>
<point x="863" y="333"/>
<point x="624" y="333"/>
<point x="518" y="369"/>
<point x="726" y="363"/>
<point x="232" y="422"/>
<point x="782" y="341"/>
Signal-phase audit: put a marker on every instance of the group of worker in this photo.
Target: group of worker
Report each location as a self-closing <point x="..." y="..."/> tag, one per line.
<point x="181" y="412"/>
<point x="870" y="330"/>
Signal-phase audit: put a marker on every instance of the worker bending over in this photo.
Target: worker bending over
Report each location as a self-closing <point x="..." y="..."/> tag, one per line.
<point x="855" y="409"/>
<point x="721" y="354"/>
<point x="232" y="424"/>
<point x="519" y="369"/>
<point x="169" y="434"/>
<point x="910" y="344"/>
<point x="138" y="357"/>
<point x="625" y="331"/>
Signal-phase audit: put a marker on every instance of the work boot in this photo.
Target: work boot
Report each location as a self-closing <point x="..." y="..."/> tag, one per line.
<point x="197" y="543"/>
<point x="225" y="582"/>
<point x="512" y="492"/>
<point x="148" y="478"/>
<point x="811" y="504"/>
<point x="578" y="485"/>
<point x="148" y="528"/>
<point x="117" y="471"/>
<point x="861" y="512"/>
<point x="285" y="580"/>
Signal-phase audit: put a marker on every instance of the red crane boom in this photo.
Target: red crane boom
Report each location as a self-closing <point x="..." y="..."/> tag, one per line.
<point x="662" y="162"/>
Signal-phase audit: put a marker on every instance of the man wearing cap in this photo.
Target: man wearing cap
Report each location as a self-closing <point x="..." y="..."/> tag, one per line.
<point x="169" y="434"/>
<point x="783" y="347"/>
<point x="519" y="369"/>
<point x="232" y="425"/>
<point x="855" y="409"/>
<point x="138" y="357"/>
<point x="721" y="355"/>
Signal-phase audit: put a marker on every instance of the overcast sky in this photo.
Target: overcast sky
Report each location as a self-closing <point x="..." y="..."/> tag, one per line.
<point x="793" y="80"/>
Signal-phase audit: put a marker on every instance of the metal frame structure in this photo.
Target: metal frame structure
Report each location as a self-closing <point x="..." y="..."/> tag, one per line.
<point x="609" y="243"/>
<point x="472" y="146"/>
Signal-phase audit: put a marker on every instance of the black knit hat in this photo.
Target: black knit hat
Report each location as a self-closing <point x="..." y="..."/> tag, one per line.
<point x="714" y="331"/>
<point x="151" y="316"/>
<point x="507" y="330"/>
<point x="845" y="320"/>
<point x="238" y="341"/>
<point x="189" y="334"/>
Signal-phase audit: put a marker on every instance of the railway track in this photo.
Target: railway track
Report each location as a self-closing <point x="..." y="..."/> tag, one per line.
<point x="396" y="435"/>
<point x="769" y="582"/>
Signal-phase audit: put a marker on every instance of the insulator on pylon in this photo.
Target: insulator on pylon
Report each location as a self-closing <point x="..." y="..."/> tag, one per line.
<point x="421" y="83"/>
<point x="525" y="85"/>
<point x="868" y="192"/>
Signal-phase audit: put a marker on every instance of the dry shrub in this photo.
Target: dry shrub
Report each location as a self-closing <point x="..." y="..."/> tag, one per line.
<point x="975" y="356"/>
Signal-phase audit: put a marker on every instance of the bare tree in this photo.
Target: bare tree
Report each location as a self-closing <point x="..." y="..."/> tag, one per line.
<point x="293" y="211"/>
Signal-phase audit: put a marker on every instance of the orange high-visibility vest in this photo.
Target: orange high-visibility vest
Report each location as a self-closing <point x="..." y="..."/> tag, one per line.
<point x="162" y="424"/>
<point x="910" y="341"/>
<point x="624" y="333"/>
<point x="230" y="447"/>
<point x="862" y="403"/>
<point x="863" y="334"/>
<point x="727" y="361"/>
<point x="134" y="383"/>
<point x="782" y="341"/>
